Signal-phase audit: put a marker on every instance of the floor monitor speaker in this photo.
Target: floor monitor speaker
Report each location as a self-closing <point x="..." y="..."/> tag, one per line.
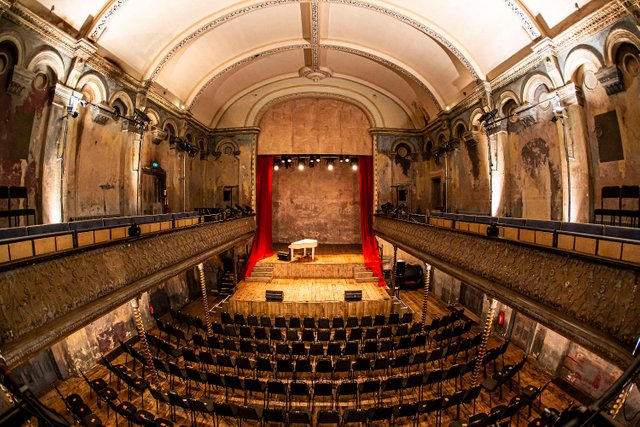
<point x="274" y="295"/>
<point x="353" y="295"/>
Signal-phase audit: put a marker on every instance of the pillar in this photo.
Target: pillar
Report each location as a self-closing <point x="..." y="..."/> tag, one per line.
<point x="205" y="299"/>
<point x="137" y="316"/>
<point x="486" y="333"/>
<point x="427" y="284"/>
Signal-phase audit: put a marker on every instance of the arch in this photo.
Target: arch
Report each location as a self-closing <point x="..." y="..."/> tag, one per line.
<point x="153" y="115"/>
<point x="458" y="128"/>
<point x="226" y="146"/>
<point x="401" y="68"/>
<point x="171" y="127"/>
<point x="430" y="31"/>
<point x="532" y="83"/>
<point x="474" y="119"/>
<point x="255" y="116"/>
<point x="16" y="41"/>
<point x="615" y="38"/>
<point x="504" y="98"/>
<point x="48" y="58"/>
<point x="97" y="86"/>
<point x="578" y="57"/>
<point x="124" y="98"/>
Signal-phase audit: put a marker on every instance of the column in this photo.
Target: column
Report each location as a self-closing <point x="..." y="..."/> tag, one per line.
<point x="486" y="333"/>
<point x="205" y="299"/>
<point x="427" y="284"/>
<point x="137" y="316"/>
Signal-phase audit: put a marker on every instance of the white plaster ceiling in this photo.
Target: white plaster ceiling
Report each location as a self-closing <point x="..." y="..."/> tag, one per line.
<point x="205" y="54"/>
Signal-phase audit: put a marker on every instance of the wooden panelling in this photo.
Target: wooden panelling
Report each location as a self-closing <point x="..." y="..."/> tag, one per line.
<point x="166" y="225"/>
<point x="4" y="253"/>
<point x="119" y="233"/>
<point x="609" y="249"/>
<point x="46" y="245"/>
<point x="566" y="242"/>
<point x="631" y="252"/>
<point x="85" y="238"/>
<point x="64" y="242"/>
<point x="544" y="238"/>
<point x="586" y="245"/>
<point x="100" y="236"/>
<point x="447" y="223"/>
<point x="528" y="236"/>
<point x="20" y="250"/>
<point x="510" y="233"/>
<point x="482" y="229"/>
<point x="474" y="227"/>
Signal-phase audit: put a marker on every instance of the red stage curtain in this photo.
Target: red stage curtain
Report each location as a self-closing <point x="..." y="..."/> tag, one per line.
<point x="262" y="241"/>
<point x="369" y="243"/>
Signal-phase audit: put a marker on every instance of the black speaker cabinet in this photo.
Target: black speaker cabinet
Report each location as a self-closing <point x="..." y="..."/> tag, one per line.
<point x="400" y="267"/>
<point x="284" y="255"/>
<point x="274" y="295"/>
<point x="493" y="231"/>
<point x="353" y="295"/>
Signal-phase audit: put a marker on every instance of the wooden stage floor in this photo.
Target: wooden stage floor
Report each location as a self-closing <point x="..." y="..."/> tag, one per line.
<point x="309" y="297"/>
<point x="325" y="254"/>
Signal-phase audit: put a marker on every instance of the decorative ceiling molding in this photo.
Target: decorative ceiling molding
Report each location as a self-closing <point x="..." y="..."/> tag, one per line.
<point x="345" y="49"/>
<point x="527" y="23"/>
<point x="417" y="25"/>
<point x="315" y="39"/>
<point x="587" y="27"/>
<point x="101" y="25"/>
<point x="355" y="3"/>
<point x="389" y="64"/>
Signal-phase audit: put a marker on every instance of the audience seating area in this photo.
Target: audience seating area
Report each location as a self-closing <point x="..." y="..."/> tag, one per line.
<point x="20" y="243"/>
<point x="610" y="242"/>
<point x="369" y="370"/>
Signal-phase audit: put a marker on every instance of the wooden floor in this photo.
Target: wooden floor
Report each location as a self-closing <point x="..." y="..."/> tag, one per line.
<point x="309" y="297"/>
<point x="325" y="254"/>
<point x="553" y="396"/>
<point x="309" y="290"/>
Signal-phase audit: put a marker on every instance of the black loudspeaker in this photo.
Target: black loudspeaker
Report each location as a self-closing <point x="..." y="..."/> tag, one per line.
<point x="400" y="267"/>
<point x="134" y="230"/>
<point x="493" y="231"/>
<point x="284" y="255"/>
<point x="274" y="295"/>
<point x="353" y="295"/>
<point x="226" y="195"/>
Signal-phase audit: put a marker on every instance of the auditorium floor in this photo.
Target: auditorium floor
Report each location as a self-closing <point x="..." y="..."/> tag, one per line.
<point x="530" y="375"/>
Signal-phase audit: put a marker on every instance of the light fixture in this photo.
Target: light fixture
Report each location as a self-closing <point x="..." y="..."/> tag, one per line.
<point x="341" y="159"/>
<point x="330" y="165"/>
<point x="347" y="159"/>
<point x="276" y="167"/>
<point x="318" y="159"/>
<point x="300" y="164"/>
<point x="288" y="159"/>
<point x="312" y="164"/>
<point x="354" y="166"/>
<point x="282" y="160"/>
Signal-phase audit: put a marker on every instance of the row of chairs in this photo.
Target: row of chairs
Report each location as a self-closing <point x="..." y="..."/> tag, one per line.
<point x="79" y="410"/>
<point x="129" y="377"/>
<point x="238" y="413"/>
<point x="503" y="412"/>
<point x="497" y="380"/>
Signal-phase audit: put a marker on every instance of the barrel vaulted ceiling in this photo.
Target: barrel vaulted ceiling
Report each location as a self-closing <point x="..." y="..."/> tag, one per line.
<point x="421" y="55"/>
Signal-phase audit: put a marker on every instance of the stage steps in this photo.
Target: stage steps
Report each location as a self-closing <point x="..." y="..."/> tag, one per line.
<point x="362" y="275"/>
<point x="227" y="284"/>
<point x="260" y="273"/>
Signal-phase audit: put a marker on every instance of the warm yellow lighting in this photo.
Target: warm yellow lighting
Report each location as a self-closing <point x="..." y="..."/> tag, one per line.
<point x="300" y="166"/>
<point x="354" y="166"/>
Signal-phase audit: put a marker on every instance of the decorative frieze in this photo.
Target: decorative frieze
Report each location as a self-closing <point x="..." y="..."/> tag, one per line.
<point x="611" y="79"/>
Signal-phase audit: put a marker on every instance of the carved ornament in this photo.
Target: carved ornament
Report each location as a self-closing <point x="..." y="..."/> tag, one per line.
<point x="611" y="79"/>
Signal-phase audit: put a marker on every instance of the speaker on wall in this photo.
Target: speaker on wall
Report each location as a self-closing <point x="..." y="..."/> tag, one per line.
<point x="274" y="295"/>
<point x="353" y="295"/>
<point x="400" y="267"/>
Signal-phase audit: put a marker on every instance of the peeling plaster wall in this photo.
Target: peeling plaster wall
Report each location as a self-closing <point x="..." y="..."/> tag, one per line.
<point x="314" y="126"/>
<point x="316" y="204"/>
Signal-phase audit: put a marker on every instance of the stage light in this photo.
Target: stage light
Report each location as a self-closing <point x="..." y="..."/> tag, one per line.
<point x="347" y="159"/>
<point x="354" y="166"/>
<point x="282" y="160"/>
<point x="312" y="164"/>
<point x="288" y="159"/>
<point x="330" y="165"/>
<point x="318" y="159"/>
<point x="300" y="164"/>
<point x="341" y="159"/>
<point x="276" y="167"/>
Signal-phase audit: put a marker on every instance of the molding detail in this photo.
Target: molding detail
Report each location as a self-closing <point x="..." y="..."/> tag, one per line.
<point x="527" y="23"/>
<point x="594" y="303"/>
<point x="102" y="23"/>
<point x="611" y="79"/>
<point x="318" y="74"/>
<point x="102" y="113"/>
<point x="21" y="80"/>
<point x="53" y="298"/>
<point x="315" y="40"/>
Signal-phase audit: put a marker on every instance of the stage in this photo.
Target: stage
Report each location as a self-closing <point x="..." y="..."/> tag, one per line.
<point x="312" y="287"/>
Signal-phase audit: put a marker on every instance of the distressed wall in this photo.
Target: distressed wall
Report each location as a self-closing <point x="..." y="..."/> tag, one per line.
<point x="316" y="203"/>
<point x="314" y="126"/>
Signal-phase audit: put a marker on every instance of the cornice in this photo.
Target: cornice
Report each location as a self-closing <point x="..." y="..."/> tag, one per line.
<point x="235" y="131"/>
<point x="585" y="28"/>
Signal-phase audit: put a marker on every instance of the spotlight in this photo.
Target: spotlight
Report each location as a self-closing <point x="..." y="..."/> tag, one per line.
<point x="276" y="167"/>
<point x="341" y="159"/>
<point x="300" y="164"/>
<point x="354" y="166"/>
<point x="318" y="159"/>
<point x="347" y="159"/>
<point x="312" y="164"/>
<point x="282" y="160"/>
<point x="288" y="159"/>
<point x="330" y="165"/>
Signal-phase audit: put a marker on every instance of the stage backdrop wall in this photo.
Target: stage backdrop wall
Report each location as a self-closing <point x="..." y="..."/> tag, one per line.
<point x="316" y="204"/>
